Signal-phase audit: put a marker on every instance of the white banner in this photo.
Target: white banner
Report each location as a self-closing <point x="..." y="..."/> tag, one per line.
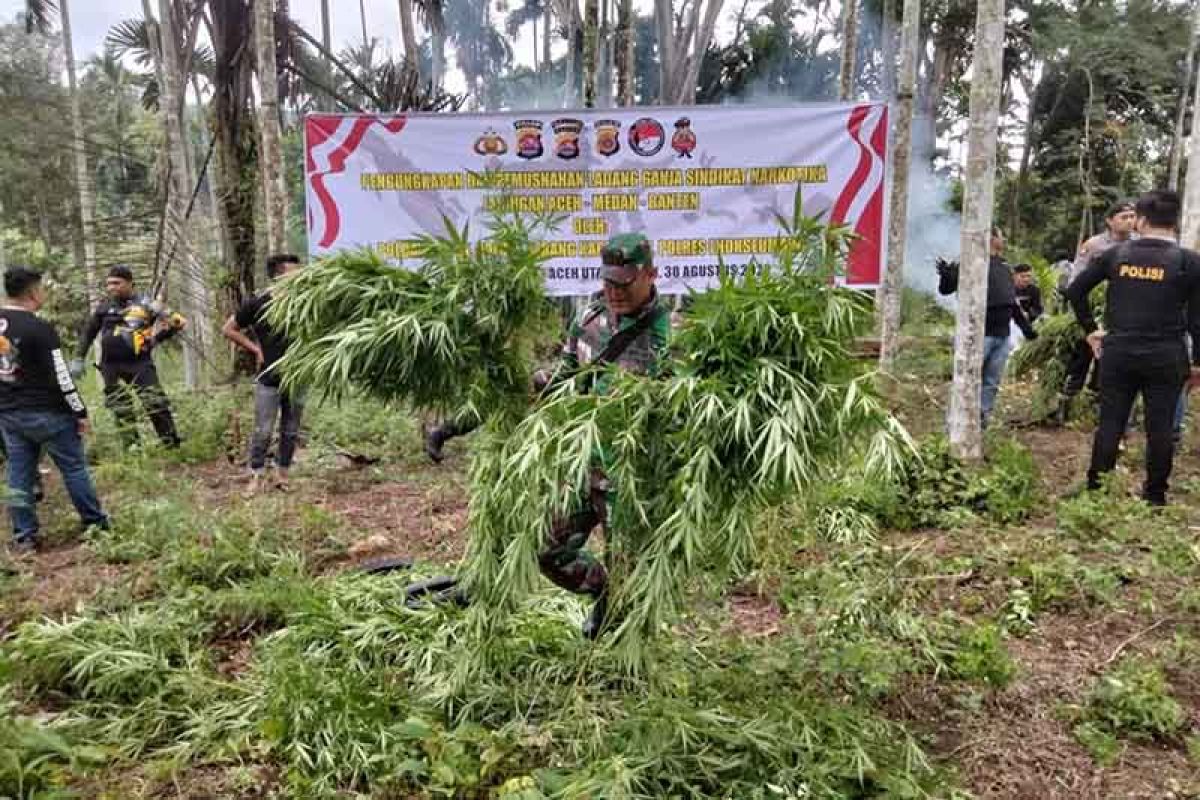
<point x="706" y="184"/>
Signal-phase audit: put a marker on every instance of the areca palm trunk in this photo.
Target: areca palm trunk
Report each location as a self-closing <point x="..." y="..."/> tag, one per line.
<point x="83" y="180"/>
<point x="625" y="53"/>
<point x="408" y="32"/>
<point x="274" y="189"/>
<point x="180" y="187"/>
<point x="591" y="50"/>
<point x="849" y="49"/>
<point x="892" y="285"/>
<point x="546" y="19"/>
<point x="966" y="433"/>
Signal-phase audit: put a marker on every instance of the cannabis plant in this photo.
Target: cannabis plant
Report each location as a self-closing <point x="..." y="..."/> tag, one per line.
<point x="1047" y="357"/>
<point x="454" y="333"/>
<point x="764" y="400"/>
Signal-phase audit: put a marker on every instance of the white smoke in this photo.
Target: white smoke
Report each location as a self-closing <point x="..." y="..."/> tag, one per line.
<point x="934" y="230"/>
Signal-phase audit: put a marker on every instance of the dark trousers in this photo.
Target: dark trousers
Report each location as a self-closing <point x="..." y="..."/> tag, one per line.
<point x="566" y="560"/>
<point x="1079" y="362"/>
<point x="124" y="380"/>
<point x="1156" y="371"/>
<point x="26" y="434"/>
<point x="270" y="403"/>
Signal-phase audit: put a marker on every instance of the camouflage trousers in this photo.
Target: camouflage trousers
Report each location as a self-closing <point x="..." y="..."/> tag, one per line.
<point x="566" y="560"/>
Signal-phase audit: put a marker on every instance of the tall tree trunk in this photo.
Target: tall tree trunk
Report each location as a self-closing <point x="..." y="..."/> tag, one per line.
<point x="536" y="50"/>
<point x="362" y="15"/>
<point x="1181" y="111"/>
<point x="966" y="435"/>
<point x="437" y="40"/>
<point x="625" y="53"/>
<point x="408" y="32"/>
<point x="892" y="287"/>
<point x="237" y="143"/>
<point x="571" y="89"/>
<point x="591" y="50"/>
<point x="546" y="28"/>
<point x="180" y="187"/>
<point x="664" y="22"/>
<point x="83" y="176"/>
<point x="702" y="35"/>
<point x="887" y="32"/>
<point x="849" y="50"/>
<point x="271" y="160"/>
<point x="329" y="104"/>
<point x="1190" y="230"/>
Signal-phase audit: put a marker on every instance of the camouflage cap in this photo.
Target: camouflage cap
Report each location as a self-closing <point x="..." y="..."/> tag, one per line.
<point x="623" y="256"/>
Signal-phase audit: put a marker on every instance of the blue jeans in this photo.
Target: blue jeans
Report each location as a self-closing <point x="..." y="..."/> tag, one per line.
<point x="995" y="356"/>
<point x="26" y="433"/>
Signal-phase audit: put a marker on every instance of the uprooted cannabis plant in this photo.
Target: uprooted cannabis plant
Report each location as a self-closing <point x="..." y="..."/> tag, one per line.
<point x="764" y="399"/>
<point x="456" y="333"/>
<point x="1047" y="356"/>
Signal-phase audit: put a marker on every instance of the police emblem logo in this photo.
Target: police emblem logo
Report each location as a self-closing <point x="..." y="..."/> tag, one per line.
<point x="529" y="138"/>
<point x="608" y="137"/>
<point x="490" y="143"/>
<point x="684" y="140"/>
<point x="566" y="137"/>
<point x="646" y="137"/>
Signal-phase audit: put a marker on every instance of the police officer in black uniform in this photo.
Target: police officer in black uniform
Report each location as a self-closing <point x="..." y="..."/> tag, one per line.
<point x="1153" y="298"/>
<point x="130" y="325"/>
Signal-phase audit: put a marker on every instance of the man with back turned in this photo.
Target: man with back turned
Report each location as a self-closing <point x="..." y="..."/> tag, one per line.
<point x="1152" y="300"/>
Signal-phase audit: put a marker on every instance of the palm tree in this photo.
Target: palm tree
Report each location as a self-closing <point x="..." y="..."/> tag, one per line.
<point x="38" y="13"/>
<point x="274" y="189"/>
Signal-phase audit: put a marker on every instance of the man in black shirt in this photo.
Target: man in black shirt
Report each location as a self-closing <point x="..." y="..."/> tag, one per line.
<point x="1152" y="300"/>
<point x="1002" y="312"/>
<point x="1029" y="294"/>
<point x="130" y="326"/>
<point x="39" y="409"/>
<point x="270" y="401"/>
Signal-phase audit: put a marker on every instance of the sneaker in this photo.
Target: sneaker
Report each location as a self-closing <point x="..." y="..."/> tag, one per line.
<point x="593" y="626"/>
<point x="282" y="481"/>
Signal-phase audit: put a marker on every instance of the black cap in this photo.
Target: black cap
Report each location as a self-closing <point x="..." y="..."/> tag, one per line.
<point x="1118" y="207"/>
<point x="120" y="271"/>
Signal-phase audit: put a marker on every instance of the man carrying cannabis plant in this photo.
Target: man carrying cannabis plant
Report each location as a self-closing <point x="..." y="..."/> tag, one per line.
<point x="271" y="402"/>
<point x="627" y="327"/>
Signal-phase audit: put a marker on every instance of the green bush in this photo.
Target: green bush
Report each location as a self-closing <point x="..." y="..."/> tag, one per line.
<point x="1134" y="699"/>
<point x="934" y="489"/>
<point x="981" y="656"/>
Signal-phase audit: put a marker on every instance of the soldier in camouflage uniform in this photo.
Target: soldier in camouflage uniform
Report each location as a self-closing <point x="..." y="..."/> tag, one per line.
<point x="630" y="301"/>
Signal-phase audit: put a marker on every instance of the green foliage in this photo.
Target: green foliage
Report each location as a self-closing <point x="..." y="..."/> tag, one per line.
<point x="981" y="656"/>
<point x="34" y="758"/>
<point x="355" y="692"/>
<point x="1134" y="699"/>
<point x="1047" y="357"/>
<point x="934" y="489"/>
<point x="765" y="400"/>
<point x="455" y="333"/>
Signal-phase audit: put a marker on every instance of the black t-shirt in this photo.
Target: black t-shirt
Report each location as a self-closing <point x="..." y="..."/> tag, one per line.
<point x="252" y="317"/>
<point x="1153" y="292"/>
<point x="33" y="371"/>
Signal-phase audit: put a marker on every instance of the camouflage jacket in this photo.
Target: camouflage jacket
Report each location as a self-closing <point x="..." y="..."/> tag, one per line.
<point x="592" y="330"/>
